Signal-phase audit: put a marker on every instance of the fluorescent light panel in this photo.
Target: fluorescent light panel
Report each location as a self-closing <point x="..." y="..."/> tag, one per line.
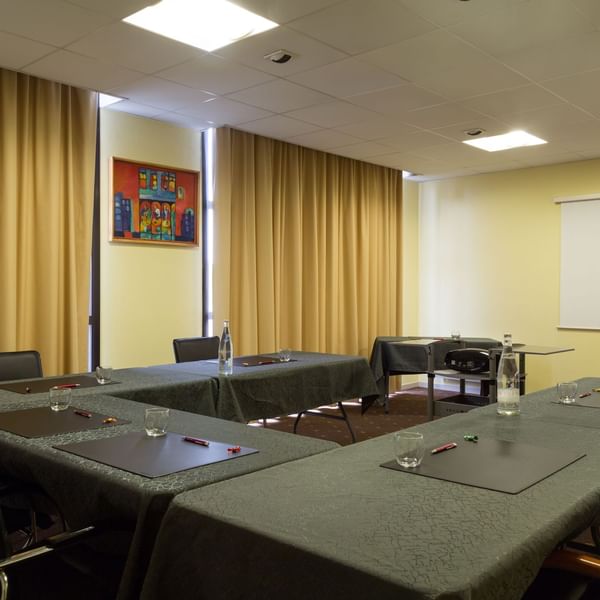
<point x="513" y="139"/>
<point x="205" y="24"/>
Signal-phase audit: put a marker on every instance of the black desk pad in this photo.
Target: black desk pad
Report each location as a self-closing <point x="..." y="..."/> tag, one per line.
<point x="43" y="421"/>
<point x="498" y="465"/>
<point x="154" y="456"/>
<point x="258" y="360"/>
<point x="36" y="386"/>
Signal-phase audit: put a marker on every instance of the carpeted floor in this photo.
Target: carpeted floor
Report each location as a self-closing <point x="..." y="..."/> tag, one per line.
<point x="406" y="409"/>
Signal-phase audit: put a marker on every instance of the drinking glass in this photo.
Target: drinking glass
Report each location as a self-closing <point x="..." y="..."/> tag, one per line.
<point x="409" y="448"/>
<point x="567" y="392"/>
<point x="285" y="354"/>
<point x="455" y="335"/>
<point x="156" y="421"/>
<point x="103" y="375"/>
<point x="60" y="398"/>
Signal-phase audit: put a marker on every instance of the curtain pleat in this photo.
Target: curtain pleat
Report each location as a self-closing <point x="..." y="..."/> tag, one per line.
<point x="311" y="244"/>
<point x="47" y="157"/>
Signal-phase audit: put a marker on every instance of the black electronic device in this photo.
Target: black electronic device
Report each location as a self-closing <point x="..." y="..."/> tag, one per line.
<point x="468" y="360"/>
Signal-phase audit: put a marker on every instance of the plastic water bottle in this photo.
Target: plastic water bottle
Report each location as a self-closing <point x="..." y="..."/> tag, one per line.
<point x="225" y="351"/>
<point x="507" y="380"/>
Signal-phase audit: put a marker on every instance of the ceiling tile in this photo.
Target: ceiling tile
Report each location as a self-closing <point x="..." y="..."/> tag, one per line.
<point x="134" y="48"/>
<point x="558" y="58"/>
<point x="324" y="139"/>
<point x="185" y="120"/>
<point x="397" y="100"/>
<point x="347" y="78"/>
<point x="17" y="52"/>
<point x="544" y="121"/>
<point x="278" y="127"/>
<point x="523" y="25"/>
<point x="488" y="125"/>
<point x="162" y="94"/>
<point x="222" y="111"/>
<point x="356" y="26"/>
<point x="510" y="102"/>
<point x="307" y="52"/>
<point x="439" y="116"/>
<point x="410" y="142"/>
<point x="444" y="13"/>
<point x="582" y="90"/>
<point x="363" y="150"/>
<point x="280" y="96"/>
<point x="74" y="69"/>
<point x="49" y="21"/>
<point x="590" y="9"/>
<point x="378" y="127"/>
<point x="332" y="114"/>
<point x="214" y="74"/>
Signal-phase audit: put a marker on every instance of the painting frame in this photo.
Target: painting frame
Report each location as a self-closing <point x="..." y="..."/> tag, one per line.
<point x="153" y="204"/>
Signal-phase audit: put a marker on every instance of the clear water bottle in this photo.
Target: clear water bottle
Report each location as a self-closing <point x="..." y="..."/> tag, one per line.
<point x="225" y="351"/>
<point x="507" y="380"/>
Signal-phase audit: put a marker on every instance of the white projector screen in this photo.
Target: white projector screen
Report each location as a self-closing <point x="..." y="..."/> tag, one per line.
<point x="580" y="262"/>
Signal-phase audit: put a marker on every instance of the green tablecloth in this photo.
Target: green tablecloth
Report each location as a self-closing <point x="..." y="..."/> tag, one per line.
<point x="88" y="491"/>
<point x="310" y="380"/>
<point x="339" y="526"/>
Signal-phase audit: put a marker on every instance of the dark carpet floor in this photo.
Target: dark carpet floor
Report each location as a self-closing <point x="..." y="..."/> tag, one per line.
<point x="406" y="409"/>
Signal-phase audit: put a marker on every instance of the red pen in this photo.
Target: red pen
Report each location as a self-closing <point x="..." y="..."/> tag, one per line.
<point x="445" y="447"/>
<point x="585" y="394"/>
<point x="83" y="413"/>
<point x="234" y="449"/>
<point x="67" y="386"/>
<point x="194" y="440"/>
<point x="266" y="362"/>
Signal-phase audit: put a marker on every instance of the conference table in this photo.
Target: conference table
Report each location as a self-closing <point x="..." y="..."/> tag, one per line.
<point x="273" y="388"/>
<point x="339" y="525"/>
<point x="163" y="387"/>
<point x="89" y="490"/>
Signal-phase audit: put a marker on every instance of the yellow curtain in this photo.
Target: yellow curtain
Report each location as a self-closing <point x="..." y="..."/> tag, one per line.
<point x="47" y="158"/>
<point x="310" y="243"/>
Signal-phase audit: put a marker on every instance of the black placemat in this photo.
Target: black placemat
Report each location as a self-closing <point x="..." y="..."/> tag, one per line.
<point x="259" y="360"/>
<point x="499" y="465"/>
<point x="43" y="421"/>
<point x="154" y="457"/>
<point x="36" y="386"/>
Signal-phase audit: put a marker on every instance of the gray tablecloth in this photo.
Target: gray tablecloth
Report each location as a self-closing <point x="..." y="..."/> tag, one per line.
<point x="172" y="389"/>
<point x="88" y="491"/>
<point x="339" y="526"/>
<point x="310" y="380"/>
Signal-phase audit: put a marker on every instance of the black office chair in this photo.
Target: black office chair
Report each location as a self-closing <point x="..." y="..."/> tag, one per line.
<point x="23" y="505"/>
<point x="198" y="348"/>
<point x="24" y="364"/>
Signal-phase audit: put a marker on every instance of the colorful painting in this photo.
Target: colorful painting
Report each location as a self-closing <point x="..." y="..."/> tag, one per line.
<point x="153" y="204"/>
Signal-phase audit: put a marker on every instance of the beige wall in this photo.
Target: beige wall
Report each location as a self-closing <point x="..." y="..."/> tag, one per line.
<point x="489" y="254"/>
<point x="149" y="293"/>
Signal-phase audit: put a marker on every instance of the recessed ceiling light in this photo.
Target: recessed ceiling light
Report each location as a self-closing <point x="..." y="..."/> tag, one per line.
<point x="205" y="24"/>
<point x="513" y="139"/>
<point x="107" y="100"/>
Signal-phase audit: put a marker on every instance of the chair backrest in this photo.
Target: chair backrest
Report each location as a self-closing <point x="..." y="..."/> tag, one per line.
<point x="24" y="364"/>
<point x="198" y="348"/>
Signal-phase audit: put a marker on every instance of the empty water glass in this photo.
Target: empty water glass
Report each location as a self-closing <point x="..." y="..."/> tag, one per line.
<point x="567" y="392"/>
<point x="103" y="375"/>
<point x="60" y="398"/>
<point x="156" y="421"/>
<point x="409" y="448"/>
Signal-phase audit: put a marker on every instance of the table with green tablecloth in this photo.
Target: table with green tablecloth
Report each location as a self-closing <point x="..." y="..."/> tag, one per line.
<point x="88" y="491"/>
<point x="163" y="387"/>
<point x="309" y="380"/>
<point x="340" y="526"/>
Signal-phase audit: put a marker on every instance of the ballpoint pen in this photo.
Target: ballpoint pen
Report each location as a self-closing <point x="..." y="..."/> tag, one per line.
<point x="445" y="447"/>
<point x="198" y="441"/>
<point x="83" y="413"/>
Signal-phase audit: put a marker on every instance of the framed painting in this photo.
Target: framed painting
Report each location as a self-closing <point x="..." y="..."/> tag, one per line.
<point x="153" y="204"/>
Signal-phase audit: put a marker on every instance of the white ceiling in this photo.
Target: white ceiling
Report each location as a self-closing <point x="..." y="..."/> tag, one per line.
<point x="392" y="82"/>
